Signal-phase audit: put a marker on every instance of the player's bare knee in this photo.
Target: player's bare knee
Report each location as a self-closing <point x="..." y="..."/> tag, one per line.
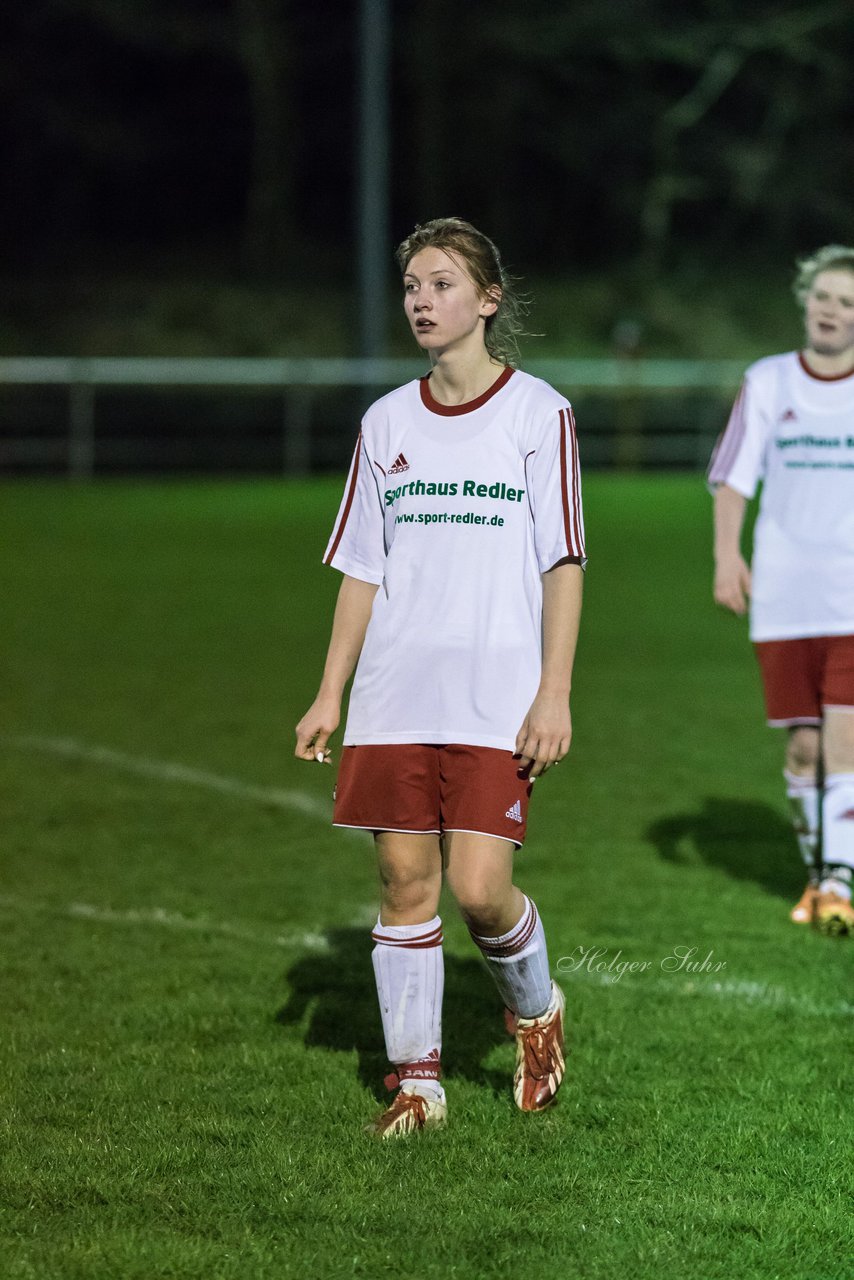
<point x="483" y="912"/>
<point x="404" y="892"/>
<point x="802" y="750"/>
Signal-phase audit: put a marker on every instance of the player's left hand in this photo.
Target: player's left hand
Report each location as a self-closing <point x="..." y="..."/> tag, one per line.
<point x="316" y="728"/>
<point x="545" y="735"/>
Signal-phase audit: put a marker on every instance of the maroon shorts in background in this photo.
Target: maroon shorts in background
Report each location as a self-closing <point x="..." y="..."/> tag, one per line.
<point x="421" y="787"/>
<point x="803" y="678"/>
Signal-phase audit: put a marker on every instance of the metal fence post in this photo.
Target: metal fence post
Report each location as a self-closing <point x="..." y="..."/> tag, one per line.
<point x="296" y="432"/>
<point x="81" y="431"/>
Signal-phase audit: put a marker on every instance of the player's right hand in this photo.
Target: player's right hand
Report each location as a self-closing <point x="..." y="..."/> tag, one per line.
<point x="316" y="728"/>
<point x="732" y="584"/>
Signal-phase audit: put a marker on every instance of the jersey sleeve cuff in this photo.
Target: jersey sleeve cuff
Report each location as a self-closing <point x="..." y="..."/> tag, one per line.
<point x="559" y="555"/>
<point x="354" y="569"/>
<point x="745" y="490"/>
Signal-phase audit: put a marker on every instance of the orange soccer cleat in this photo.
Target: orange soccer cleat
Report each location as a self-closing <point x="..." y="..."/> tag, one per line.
<point x="801" y="912"/>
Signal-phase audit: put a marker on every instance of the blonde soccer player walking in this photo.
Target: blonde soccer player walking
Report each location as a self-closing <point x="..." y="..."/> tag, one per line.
<point x="792" y="428"/>
<point x="460" y="537"/>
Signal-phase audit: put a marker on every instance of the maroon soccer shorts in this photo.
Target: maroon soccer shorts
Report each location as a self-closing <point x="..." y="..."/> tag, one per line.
<point x="420" y="787"/>
<point x="804" y="678"/>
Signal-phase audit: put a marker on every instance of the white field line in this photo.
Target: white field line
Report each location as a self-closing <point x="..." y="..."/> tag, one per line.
<point x="767" y="995"/>
<point x="159" y="918"/>
<point x="166" y="771"/>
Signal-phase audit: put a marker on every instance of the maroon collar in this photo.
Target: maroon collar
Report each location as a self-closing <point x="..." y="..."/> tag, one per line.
<point x="821" y="377"/>
<point x="451" y="410"/>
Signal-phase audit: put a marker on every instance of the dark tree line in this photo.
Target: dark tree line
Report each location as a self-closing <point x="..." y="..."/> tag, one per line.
<point x="577" y="134"/>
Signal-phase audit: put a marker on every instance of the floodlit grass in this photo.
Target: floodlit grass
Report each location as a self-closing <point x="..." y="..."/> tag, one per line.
<point x="190" y="1041"/>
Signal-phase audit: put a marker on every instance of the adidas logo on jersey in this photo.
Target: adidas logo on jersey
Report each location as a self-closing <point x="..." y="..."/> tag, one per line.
<point x="514" y="812"/>
<point x="399" y="464"/>
<point x="789" y="416"/>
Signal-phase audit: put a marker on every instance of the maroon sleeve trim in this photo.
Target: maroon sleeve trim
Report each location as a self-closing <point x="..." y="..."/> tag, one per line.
<point x="351" y="493"/>
<point x="729" y="441"/>
<point x="571" y="521"/>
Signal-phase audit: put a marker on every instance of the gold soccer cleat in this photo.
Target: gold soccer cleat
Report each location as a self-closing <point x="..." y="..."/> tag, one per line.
<point x="410" y="1112"/>
<point x="539" y="1056"/>
<point x="833" y="914"/>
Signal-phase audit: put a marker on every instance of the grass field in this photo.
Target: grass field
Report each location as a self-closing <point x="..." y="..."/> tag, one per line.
<point x="190" y="1044"/>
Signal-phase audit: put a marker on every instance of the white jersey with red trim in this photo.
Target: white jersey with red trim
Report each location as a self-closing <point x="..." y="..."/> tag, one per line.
<point x="793" y="430"/>
<point x="455" y="512"/>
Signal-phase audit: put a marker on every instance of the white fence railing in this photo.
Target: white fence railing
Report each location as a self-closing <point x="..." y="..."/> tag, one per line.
<point x="627" y="383"/>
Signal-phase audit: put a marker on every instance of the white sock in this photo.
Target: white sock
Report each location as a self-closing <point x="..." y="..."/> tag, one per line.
<point x="838" y="832"/>
<point x="519" y="964"/>
<point x="804" y="805"/>
<point x="410" y="974"/>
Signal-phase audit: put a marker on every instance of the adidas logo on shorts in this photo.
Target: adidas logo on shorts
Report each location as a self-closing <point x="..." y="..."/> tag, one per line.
<point x="514" y="812"/>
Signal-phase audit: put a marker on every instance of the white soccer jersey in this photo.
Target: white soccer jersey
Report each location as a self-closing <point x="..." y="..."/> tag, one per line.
<point x="794" y="431"/>
<point x="455" y="512"/>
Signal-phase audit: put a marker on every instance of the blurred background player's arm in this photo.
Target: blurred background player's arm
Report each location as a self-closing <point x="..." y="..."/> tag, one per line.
<point x="732" y="572"/>
<point x="352" y="615"/>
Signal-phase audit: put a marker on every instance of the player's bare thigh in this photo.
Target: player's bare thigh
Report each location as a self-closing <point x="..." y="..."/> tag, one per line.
<point x="410" y="867"/>
<point x="838" y="740"/>
<point x="479" y="873"/>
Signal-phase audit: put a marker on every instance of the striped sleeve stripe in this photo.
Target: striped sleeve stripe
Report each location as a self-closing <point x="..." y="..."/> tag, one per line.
<point x="351" y="493"/>
<point x="433" y="938"/>
<point x="729" y="442"/>
<point x="572" y="520"/>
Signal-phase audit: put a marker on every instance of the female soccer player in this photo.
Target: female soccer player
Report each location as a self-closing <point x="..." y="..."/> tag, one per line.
<point x="460" y="537"/>
<point x="792" y="427"/>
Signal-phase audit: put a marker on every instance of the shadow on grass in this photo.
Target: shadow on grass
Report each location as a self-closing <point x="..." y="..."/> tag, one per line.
<point x="746" y="839"/>
<point x="336" y="992"/>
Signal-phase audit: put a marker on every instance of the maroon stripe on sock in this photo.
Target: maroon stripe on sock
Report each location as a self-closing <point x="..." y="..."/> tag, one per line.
<point x="516" y="942"/>
<point x="431" y="939"/>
